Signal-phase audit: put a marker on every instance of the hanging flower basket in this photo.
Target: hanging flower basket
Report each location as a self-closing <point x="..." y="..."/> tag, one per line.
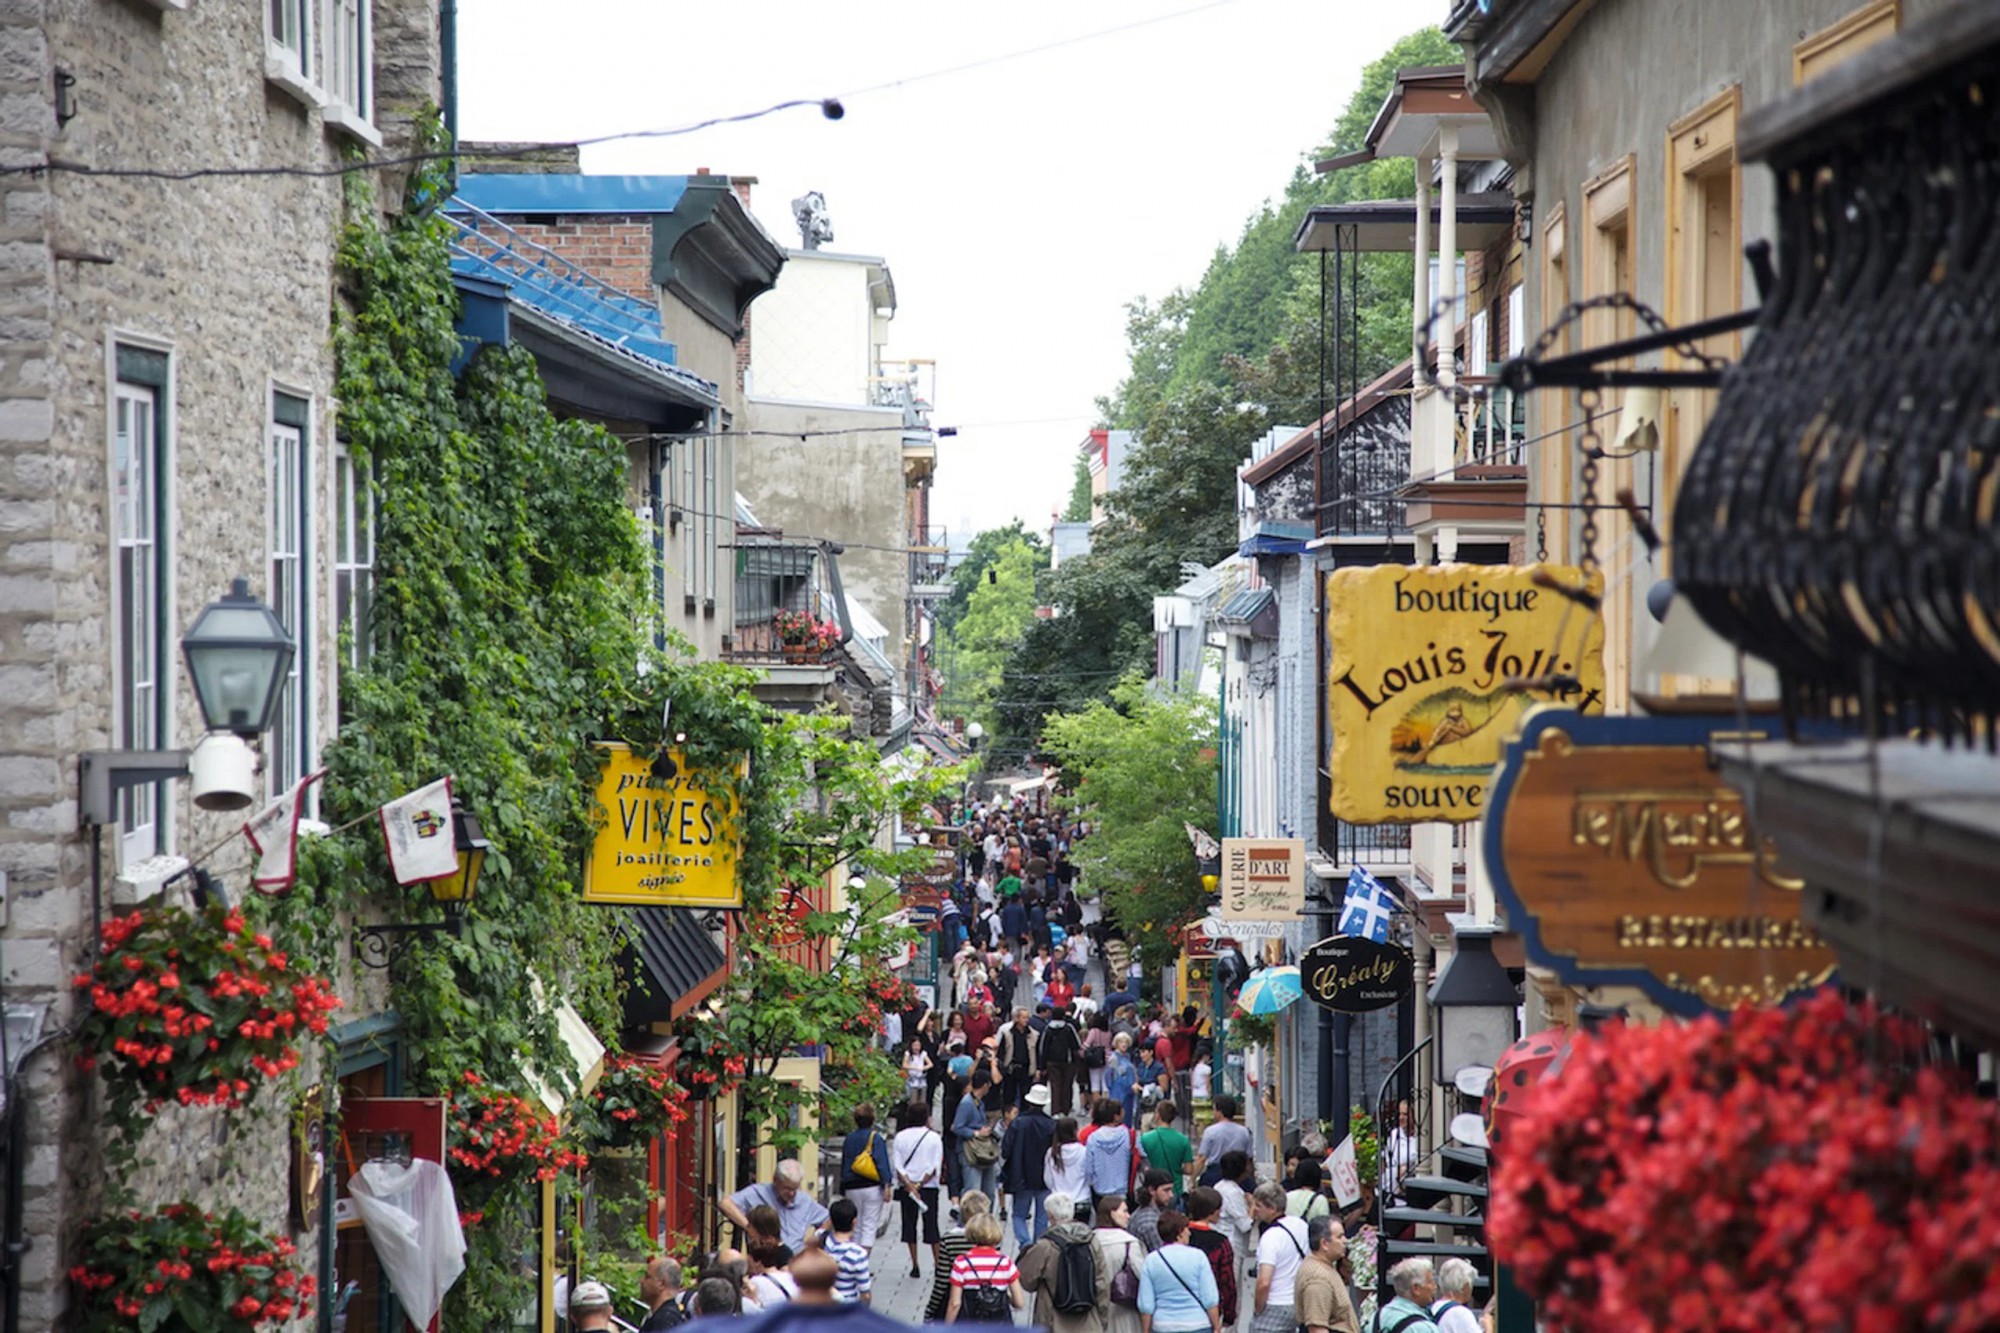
<point x="499" y="1135"/>
<point x="181" y="1270"/>
<point x="1778" y="1169"/>
<point x="194" y="1008"/>
<point x="635" y="1102"/>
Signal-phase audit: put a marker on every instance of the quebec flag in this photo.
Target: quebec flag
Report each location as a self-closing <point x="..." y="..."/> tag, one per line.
<point x="1366" y="910"/>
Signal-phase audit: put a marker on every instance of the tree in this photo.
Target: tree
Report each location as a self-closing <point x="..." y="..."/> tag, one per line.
<point x="1078" y="508"/>
<point x="998" y="611"/>
<point x="1141" y="768"/>
<point x="980" y="555"/>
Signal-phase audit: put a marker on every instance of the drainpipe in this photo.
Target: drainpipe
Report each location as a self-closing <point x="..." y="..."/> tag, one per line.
<point x="448" y="78"/>
<point x="16" y="1245"/>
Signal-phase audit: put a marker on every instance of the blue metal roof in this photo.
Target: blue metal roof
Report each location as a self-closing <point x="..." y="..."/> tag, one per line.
<point x="571" y="193"/>
<point x="537" y="277"/>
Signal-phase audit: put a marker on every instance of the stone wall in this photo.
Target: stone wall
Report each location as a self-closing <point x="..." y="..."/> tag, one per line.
<point x="232" y="278"/>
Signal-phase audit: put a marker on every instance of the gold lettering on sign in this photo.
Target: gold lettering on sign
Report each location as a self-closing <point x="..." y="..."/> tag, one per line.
<point x="1331" y="981"/>
<point x="1715" y="932"/>
<point x="1675" y="833"/>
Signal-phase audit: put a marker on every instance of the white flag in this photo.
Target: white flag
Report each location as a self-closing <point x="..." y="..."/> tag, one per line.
<point x="418" y="830"/>
<point x="274" y="836"/>
<point x="1344" y="1172"/>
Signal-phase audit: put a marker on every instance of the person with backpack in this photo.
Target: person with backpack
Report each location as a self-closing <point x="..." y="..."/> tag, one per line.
<point x="1415" y="1283"/>
<point x="1060" y="1051"/>
<point x="1279" y="1254"/>
<point x="985" y="1285"/>
<point x="1453" y="1311"/>
<point x="1177" y="1292"/>
<point x="865" y="1174"/>
<point x="1110" y="1153"/>
<point x="1204" y="1209"/>
<point x="1062" y="1273"/>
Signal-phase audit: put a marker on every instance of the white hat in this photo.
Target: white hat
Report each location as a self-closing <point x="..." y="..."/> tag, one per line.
<point x="1039" y="1096"/>
<point x="590" y="1296"/>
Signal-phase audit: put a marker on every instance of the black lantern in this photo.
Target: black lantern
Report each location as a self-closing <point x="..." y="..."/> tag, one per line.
<point x="238" y="653"/>
<point x="1472" y="1002"/>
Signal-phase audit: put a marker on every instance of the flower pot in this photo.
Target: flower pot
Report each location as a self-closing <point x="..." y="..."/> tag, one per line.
<point x="799" y="652"/>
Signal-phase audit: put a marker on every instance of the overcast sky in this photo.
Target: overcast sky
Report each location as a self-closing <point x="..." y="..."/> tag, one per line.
<point x="1020" y="203"/>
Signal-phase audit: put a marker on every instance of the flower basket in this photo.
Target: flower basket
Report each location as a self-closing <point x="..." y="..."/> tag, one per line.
<point x="635" y="1102"/>
<point x="499" y="1135"/>
<point x="1815" y="1176"/>
<point x="180" y="1270"/>
<point x="194" y="1008"/>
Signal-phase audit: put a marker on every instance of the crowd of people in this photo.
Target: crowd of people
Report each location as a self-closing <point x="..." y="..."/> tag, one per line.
<point x="1042" y="1110"/>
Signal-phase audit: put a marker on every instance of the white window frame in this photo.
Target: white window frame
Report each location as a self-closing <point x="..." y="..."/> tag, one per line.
<point x="142" y="685"/>
<point x="1475" y="343"/>
<point x="291" y="48"/>
<point x="1517" y="330"/>
<point x="352" y="529"/>
<point x="349" y="68"/>
<point x="288" y="531"/>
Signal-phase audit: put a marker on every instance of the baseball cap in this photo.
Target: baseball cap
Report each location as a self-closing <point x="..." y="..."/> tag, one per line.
<point x="590" y="1296"/>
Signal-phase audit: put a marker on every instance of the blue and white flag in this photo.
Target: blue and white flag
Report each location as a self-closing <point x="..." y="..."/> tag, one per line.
<point x="1366" y="910"/>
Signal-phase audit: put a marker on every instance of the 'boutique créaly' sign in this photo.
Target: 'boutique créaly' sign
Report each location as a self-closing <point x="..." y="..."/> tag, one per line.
<point x="663" y="838"/>
<point x="1423" y="675"/>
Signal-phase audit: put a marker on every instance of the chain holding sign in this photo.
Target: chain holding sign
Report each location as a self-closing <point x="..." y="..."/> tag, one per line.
<point x="1429" y="673"/>
<point x="661" y="841"/>
<point x="1263" y="879"/>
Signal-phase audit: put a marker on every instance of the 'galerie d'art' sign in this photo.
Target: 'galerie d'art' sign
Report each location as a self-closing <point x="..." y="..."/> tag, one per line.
<point x="662" y="840"/>
<point x="1624" y="859"/>
<point x="1422" y="681"/>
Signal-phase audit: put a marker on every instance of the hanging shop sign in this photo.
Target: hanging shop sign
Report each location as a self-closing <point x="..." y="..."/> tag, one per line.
<point x="667" y="841"/>
<point x="1424" y="681"/>
<point x="1354" y="975"/>
<point x="1623" y="858"/>
<point x="1263" y="879"/>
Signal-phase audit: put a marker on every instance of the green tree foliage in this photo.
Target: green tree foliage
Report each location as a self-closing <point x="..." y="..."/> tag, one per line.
<point x="980" y="556"/>
<point x="1140" y="768"/>
<point x="1078" y="508"/>
<point x="998" y="611"/>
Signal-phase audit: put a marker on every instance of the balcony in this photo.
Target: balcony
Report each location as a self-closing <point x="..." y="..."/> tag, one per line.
<point x="1467" y="475"/>
<point x="795" y="676"/>
<point x="930" y="563"/>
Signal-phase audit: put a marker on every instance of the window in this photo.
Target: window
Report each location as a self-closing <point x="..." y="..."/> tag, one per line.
<point x="287" y="743"/>
<point x="1846" y="39"/>
<point x="290" y="47"/>
<point x="1475" y="344"/>
<point x="349" y="76"/>
<point x="140" y="586"/>
<point x="1609" y="207"/>
<point x="353" y="557"/>
<point x="1704" y="264"/>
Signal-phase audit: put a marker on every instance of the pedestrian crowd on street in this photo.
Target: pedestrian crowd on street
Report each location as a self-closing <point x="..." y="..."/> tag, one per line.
<point x="1039" y="1110"/>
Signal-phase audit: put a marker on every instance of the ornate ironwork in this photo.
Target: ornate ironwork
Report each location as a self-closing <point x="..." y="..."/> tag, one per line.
<point x="380" y="945"/>
<point x="1838" y="516"/>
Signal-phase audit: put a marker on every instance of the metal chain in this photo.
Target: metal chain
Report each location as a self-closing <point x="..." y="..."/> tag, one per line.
<point x="1592" y="445"/>
<point x="1646" y="315"/>
<point x="1541" y="536"/>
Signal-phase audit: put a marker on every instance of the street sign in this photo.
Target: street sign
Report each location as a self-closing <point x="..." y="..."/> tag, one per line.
<point x="667" y="841"/>
<point x="1424" y="681"/>
<point x="1623" y="858"/>
<point x="1263" y="879"/>
<point x="1352" y="975"/>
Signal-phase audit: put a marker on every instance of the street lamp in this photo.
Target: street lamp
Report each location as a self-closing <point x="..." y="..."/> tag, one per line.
<point x="237" y="654"/>
<point x="974" y="733"/>
<point x="454" y="893"/>
<point x="1474" y="1002"/>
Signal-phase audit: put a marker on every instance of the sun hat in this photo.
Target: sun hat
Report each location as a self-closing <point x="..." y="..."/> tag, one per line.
<point x="1039" y="1096"/>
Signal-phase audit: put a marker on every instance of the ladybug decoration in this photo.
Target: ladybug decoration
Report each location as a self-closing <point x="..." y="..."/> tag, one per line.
<point x="1519" y="1066"/>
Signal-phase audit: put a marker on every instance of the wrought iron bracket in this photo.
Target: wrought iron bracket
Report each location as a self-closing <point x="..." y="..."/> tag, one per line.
<point x="1581" y="370"/>
<point x="379" y="945"/>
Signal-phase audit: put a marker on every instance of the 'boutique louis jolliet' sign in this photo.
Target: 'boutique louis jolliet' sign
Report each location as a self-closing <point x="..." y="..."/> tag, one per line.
<point x="1424" y="681"/>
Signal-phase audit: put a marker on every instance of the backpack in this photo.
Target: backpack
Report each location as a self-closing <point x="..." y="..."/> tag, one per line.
<point x="985" y="1303"/>
<point x="1076" y="1277"/>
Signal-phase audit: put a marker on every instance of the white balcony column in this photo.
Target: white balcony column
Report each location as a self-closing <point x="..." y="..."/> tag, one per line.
<point x="1478" y="885"/>
<point x="1447" y="298"/>
<point x="1421" y="311"/>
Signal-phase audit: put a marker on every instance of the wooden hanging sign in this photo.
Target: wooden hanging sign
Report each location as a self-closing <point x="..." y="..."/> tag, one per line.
<point x="1624" y="859"/>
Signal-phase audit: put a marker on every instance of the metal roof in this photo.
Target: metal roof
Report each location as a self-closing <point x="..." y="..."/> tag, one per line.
<point x="679" y="963"/>
<point x="563" y="192"/>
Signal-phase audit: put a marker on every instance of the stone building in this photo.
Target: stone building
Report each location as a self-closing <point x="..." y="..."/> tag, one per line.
<point x="166" y="424"/>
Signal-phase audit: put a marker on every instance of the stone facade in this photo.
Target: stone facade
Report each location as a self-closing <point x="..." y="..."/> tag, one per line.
<point x="228" y="282"/>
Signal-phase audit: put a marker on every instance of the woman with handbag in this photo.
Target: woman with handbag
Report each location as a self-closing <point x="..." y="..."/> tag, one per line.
<point x="1119" y="1253"/>
<point x="1177" y="1289"/>
<point x="978" y="1145"/>
<point x="1097" y="1052"/>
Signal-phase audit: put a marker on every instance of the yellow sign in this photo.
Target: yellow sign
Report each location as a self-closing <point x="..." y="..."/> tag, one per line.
<point x="1424" y="681"/>
<point x="667" y="841"/>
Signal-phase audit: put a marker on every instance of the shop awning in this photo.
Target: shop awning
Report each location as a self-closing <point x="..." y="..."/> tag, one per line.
<point x="584" y="1051"/>
<point x="672" y="963"/>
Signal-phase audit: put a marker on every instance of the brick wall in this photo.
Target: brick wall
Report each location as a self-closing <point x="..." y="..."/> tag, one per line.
<point x="615" y="248"/>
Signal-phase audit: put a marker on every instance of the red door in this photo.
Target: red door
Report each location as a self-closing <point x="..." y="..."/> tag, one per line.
<point x="369" y="1127"/>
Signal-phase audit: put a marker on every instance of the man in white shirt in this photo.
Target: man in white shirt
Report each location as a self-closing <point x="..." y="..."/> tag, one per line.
<point x="1279" y="1254"/>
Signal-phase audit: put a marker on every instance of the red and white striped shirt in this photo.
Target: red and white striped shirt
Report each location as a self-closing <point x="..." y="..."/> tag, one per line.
<point x="983" y="1266"/>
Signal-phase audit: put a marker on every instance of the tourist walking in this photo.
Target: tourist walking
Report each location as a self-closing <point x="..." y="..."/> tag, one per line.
<point x="1060" y="1271"/>
<point x="1320" y="1292"/>
<point x="978" y="1143"/>
<point x="1025" y="1148"/>
<point x="1177" y="1291"/>
<point x="1279" y="1255"/>
<point x="865" y="1176"/>
<point x="918" y="1157"/>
